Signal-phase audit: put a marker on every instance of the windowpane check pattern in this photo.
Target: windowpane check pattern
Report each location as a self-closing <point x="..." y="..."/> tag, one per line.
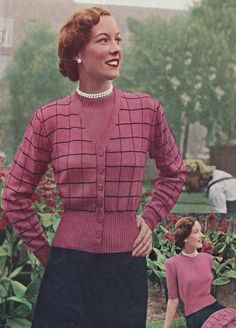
<point x="99" y="179"/>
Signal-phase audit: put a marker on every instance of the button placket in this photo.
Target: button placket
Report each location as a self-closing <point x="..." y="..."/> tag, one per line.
<point x="100" y="195"/>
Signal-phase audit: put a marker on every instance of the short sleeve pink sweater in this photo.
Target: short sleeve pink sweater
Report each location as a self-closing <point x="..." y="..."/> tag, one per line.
<point x="190" y="279"/>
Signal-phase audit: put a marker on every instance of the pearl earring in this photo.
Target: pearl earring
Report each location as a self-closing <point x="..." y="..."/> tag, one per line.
<point x="79" y="60"/>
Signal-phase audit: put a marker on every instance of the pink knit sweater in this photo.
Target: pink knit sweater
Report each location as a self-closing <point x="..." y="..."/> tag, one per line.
<point x="190" y="279"/>
<point x="99" y="180"/>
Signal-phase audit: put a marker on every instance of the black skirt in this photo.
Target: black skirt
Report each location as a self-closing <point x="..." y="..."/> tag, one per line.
<point x="89" y="290"/>
<point x="197" y="319"/>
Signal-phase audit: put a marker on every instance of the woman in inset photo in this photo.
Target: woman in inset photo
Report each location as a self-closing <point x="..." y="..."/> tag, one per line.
<point x="189" y="278"/>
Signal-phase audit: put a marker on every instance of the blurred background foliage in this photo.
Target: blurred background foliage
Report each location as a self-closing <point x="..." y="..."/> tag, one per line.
<point x="31" y="80"/>
<point x="189" y="63"/>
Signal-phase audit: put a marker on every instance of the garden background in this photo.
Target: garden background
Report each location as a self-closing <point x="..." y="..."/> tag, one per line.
<point x="189" y="63"/>
<point x="21" y="273"/>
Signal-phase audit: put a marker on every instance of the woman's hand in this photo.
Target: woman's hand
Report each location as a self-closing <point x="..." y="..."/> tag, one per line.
<point x="143" y="243"/>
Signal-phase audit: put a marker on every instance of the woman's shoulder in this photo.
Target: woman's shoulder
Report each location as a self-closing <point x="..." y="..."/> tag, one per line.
<point x="144" y="99"/>
<point x="52" y="108"/>
<point x="57" y="103"/>
<point x="205" y="256"/>
<point x="173" y="260"/>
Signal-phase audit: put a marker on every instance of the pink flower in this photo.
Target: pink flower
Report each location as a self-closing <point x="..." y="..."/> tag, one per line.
<point x="50" y="203"/>
<point x="47" y="187"/>
<point x="207" y="247"/>
<point x="223" y="226"/>
<point x="168" y="235"/>
<point x="36" y="198"/>
<point x="47" y="195"/>
<point x="212" y="220"/>
<point x="168" y="226"/>
<point x="3" y="221"/>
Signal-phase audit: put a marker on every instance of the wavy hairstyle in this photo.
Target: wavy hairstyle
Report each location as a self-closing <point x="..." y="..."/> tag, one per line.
<point x="183" y="229"/>
<point x="73" y="35"/>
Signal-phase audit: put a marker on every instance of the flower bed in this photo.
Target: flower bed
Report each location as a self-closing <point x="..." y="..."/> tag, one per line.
<point x="20" y="271"/>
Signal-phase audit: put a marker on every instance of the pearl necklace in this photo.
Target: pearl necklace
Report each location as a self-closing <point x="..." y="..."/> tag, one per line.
<point x="95" y="95"/>
<point x="195" y="253"/>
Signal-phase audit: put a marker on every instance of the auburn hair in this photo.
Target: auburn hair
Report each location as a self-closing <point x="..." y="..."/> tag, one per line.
<point x="73" y="35"/>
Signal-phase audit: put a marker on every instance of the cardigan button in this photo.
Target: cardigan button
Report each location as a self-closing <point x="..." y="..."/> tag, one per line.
<point x="100" y="170"/>
<point x="100" y="186"/>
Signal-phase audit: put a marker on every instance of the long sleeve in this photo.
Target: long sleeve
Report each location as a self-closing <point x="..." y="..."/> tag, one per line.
<point x="172" y="172"/>
<point x="29" y="165"/>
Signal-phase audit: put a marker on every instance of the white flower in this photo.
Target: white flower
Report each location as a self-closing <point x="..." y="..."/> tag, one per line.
<point x="185" y="99"/>
<point x="213" y="69"/>
<point x="198" y="107"/>
<point x="175" y="83"/>
<point x="198" y="85"/>
<point x="188" y="61"/>
<point x="168" y="67"/>
<point x="233" y="68"/>
<point x="219" y="92"/>
<point x="212" y="76"/>
<point x="198" y="77"/>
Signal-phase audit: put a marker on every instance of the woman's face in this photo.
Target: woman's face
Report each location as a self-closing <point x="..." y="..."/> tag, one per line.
<point x="194" y="240"/>
<point x="101" y="56"/>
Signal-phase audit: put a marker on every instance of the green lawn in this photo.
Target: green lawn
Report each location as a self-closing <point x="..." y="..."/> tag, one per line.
<point x="195" y="202"/>
<point x="178" y="323"/>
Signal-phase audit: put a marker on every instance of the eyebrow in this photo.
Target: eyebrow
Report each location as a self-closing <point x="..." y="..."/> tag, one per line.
<point x="104" y="33"/>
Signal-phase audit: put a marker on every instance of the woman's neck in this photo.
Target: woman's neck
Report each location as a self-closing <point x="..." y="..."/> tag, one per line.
<point x="93" y="88"/>
<point x="189" y="252"/>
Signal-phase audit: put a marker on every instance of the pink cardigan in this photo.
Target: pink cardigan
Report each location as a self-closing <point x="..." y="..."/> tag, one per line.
<point x="99" y="181"/>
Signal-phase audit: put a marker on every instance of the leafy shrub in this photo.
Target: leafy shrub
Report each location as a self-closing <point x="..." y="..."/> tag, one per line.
<point x="20" y="271"/>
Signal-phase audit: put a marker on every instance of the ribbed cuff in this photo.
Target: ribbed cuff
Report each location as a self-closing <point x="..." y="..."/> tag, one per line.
<point x="42" y="254"/>
<point x="150" y="217"/>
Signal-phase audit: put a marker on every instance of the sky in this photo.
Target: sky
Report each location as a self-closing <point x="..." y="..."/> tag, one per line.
<point x="162" y="4"/>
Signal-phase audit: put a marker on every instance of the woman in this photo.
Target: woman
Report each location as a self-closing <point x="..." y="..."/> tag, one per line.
<point x="219" y="185"/>
<point x="189" y="277"/>
<point x="96" y="140"/>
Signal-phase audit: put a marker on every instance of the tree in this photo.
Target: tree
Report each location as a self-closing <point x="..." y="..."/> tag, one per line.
<point x="152" y="63"/>
<point x="189" y="64"/>
<point x="31" y="80"/>
<point x="212" y="33"/>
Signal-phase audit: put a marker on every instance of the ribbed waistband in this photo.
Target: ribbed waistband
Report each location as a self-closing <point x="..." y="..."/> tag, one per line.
<point x="93" y="232"/>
